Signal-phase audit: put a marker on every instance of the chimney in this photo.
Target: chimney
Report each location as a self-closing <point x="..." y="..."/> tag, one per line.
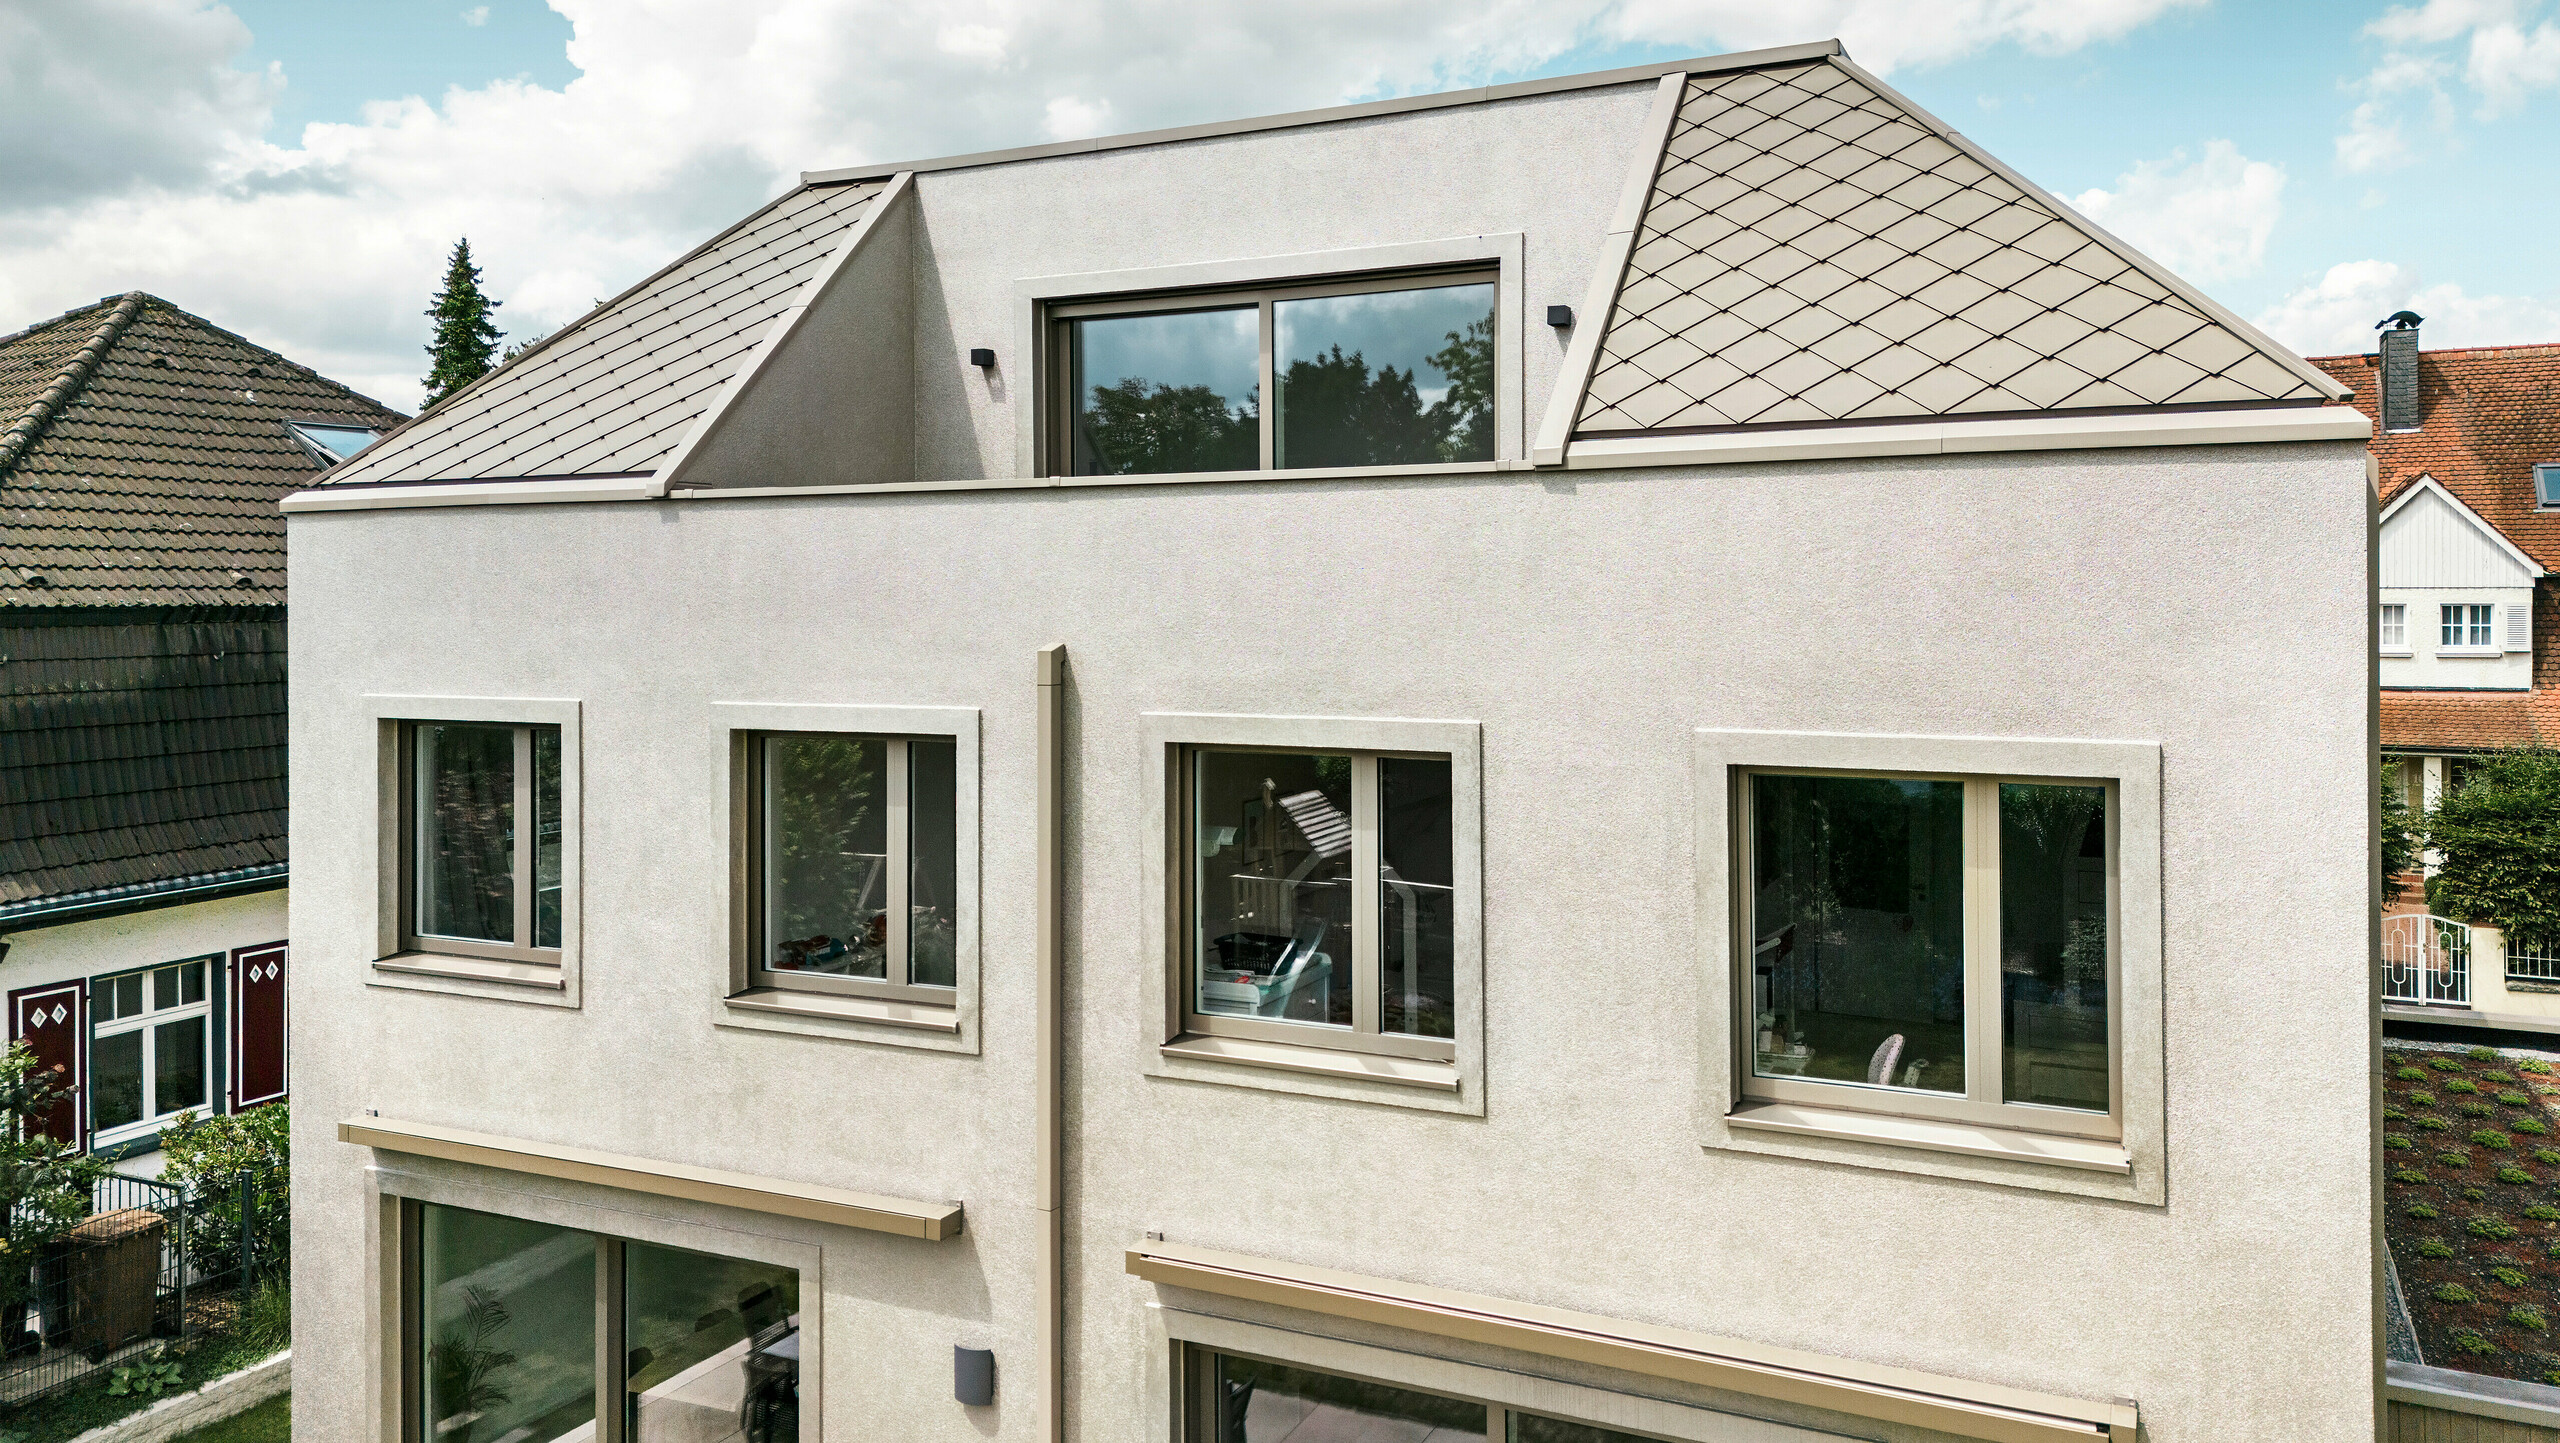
<point x="2400" y="372"/>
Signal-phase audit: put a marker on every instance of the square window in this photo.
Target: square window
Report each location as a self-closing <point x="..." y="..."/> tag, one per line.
<point x="1320" y="884"/>
<point x="2467" y="625"/>
<point x="1387" y="371"/>
<point x="481" y="840"/>
<point x="1936" y="955"/>
<point x="853" y="862"/>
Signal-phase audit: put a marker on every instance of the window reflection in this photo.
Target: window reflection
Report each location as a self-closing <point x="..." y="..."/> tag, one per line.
<point x="827" y="855"/>
<point x="1384" y="378"/>
<point x="1163" y="393"/>
<point x="466" y="831"/>
<point x="1259" y="1402"/>
<point x="714" y="1348"/>
<point x="1274" y="889"/>
<point x="2053" y="945"/>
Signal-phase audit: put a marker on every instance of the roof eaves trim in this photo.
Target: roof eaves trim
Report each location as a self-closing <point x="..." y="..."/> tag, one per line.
<point x="2319" y="380"/>
<point x="1556" y="428"/>
<point x="2430" y="484"/>
<point x="141" y="896"/>
<point x="75" y="374"/>
<point x="395" y="495"/>
<point x="672" y="469"/>
<point x="1291" y="120"/>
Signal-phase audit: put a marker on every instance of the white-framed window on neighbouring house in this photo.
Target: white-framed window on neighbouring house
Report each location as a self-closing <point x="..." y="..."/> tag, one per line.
<point x="2468" y="625"/>
<point x="150" y="1047"/>
<point x="2395" y="626"/>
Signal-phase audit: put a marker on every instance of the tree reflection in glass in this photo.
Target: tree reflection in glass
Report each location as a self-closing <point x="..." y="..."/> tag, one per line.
<point x="466" y="778"/>
<point x="2053" y="945"/>
<point x="1384" y="378"/>
<point x="1164" y="393"/>
<point x="826" y="855"/>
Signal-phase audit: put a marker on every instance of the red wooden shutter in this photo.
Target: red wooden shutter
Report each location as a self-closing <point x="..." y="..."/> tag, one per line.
<point x="53" y="1022"/>
<point x="257" y="1025"/>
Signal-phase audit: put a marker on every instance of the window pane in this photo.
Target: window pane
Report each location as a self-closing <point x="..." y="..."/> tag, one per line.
<point x="191" y="983"/>
<point x="1384" y="378"/>
<point x="510" y="1328"/>
<point x="827" y="855"/>
<point x="933" y="876"/>
<point x="1167" y="392"/>
<point x="546" y="836"/>
<point x="1857" y="921"/>
<point x="2053" y="945"/>
<point x="129" y="995"/>
<point x="1261" y="1402"/>
<point x="1274" y="897"/>
<point x="1416" y="900"/>
<point x="164" y="987"/>
<point x="115" y="1080"/>
<point x="466" y="831"/>
<point x="1530" y="1428"/>
<point x="715" y="1348"/>
<point x="177" y="1066"/>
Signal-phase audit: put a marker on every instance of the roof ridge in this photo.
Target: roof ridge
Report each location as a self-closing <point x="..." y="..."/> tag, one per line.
<point x="2530" y="348"/>
<point x="75" y="374"/>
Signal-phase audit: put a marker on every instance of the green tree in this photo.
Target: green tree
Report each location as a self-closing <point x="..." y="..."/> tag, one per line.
<point x="1464" y="417"/>
<point x="218" y="1160"/>
<point x="2399" y="825"/>
<point x="2497" y="843"/>
<point x="466" y="341"/>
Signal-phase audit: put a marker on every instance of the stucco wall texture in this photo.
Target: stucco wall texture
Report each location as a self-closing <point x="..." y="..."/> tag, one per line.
<point x="1589" y="622"/>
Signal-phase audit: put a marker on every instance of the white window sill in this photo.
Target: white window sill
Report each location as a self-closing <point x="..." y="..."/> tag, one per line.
<point x="833" y="1007"/>
<point x="2470" y="653"/>
<point x="2397" y="651"/>
<point x="541" y="975"/>
<point x="1318" y="1061"/>
<point x="1969" y="1139"/>
<point x="144" y="1130"/>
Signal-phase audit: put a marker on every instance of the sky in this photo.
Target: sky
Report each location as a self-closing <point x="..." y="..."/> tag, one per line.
<point x="297" y="170"/>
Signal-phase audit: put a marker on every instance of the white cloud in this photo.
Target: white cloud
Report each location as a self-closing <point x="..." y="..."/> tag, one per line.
<point x="2504" y="63"/>
<point x="2207" y="219"/>
<point x="686" y="113"/>
<point x="476" y="15"/>
<point x="2336" y="314"/>
<point x="2372" y="141"/>
<point x="2508" y="63"/>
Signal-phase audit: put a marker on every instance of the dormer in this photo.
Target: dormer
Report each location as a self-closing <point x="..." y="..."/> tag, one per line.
<point x="2454" y="597"/>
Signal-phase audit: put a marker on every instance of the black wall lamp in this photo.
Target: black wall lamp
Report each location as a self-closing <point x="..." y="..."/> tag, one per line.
<point x="973" y="1376"/>
<point x="1560" y="316"/>
<point x="982" y="358"/>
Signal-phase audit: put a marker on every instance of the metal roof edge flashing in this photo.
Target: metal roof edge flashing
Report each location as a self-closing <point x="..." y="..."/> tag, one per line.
<point x="1329" y="115"/>
<point x="141" y="897"/>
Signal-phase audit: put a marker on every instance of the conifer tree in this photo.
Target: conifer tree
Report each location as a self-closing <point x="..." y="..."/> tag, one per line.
<point x="465" y="341"/>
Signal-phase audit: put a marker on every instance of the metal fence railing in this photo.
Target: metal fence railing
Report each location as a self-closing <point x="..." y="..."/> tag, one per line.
<point x="2426" y="959"/>
<point x="151" y="1262"/>
<point x="2537" y="960"/>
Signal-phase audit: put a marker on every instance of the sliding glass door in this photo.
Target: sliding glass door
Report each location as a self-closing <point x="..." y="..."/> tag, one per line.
<point x="519" y="1328"/>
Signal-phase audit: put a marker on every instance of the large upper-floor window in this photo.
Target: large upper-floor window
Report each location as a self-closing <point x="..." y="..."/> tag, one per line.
<point x="1940" y="945"/>
<point x="150" y="1047"/>
<point x="1386" y="371"/>
<point x="2468" y="624"/>
<point x="853" y="860"/>
<point x="481" y="837"/>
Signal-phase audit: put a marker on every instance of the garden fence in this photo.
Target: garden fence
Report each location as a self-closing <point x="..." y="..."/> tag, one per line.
<point x="152" y="1262"/>
<point x="2426" y="959"/>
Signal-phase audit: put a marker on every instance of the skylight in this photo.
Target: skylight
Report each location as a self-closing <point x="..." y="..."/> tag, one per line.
<point x="2546" y="486"/>
<point x="330" y="445"/>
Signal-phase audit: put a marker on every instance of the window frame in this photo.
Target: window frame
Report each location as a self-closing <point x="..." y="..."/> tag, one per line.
<point x="148" y="1022"/>
<point x="757" y="850"/>
<point x="397" y="965"/>
<point x="1367" y="943"/>
<point x="2132" y="1167"/>
<point x="1196" y="1371"/>
<point x="2476" y="618"/>
<point x="523" y="867"/>
<point x="2391" y="626"/>
<point x="1064" y="384"/>
<point x="2546" y="486"/>
<point x="1984" y="1030"/>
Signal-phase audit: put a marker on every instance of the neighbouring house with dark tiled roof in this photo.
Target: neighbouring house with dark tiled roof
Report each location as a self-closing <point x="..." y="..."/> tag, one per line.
<point x="142" y="703"/>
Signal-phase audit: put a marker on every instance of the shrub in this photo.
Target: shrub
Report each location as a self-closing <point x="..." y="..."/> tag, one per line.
<point x="2455" y="1293"/>
<point x="2490" y="1225"/>
<point x="2444" y="1064"/>
<point x="2421" y="1099"/>
<point x="2393" y="1114"/>
<point x="216" y="1158"/>
<point x="2461" y="1084"/>
<point x="2432" y="1124"/>
<point x="2475" y="1194"/>
<point x="2527" y="1315"/>
<point x="2543" y="1213"/>
<point x="2454" y="1159"/>
<point x="2481" y="1054"/>
<point x="2511" y="1277"/>
<point x="2546" y="1155"/>
<point x="2421" y="1211"/>
<point x="2394" y="1139"/>
<point x="2532" y="1064"/>
<point x="2432" y="1248"/>
<point x="2475" y="1109"/>
<point x="2532" y="1125"/>
<point x="2497" y="842"/>
<point x="2494" y="1075"/>
<point x="2515" y="1176"/>
<point x="2491" y="1139"/>
<point x="2514" y="1099"/>
<point x="2410" y="1074"/>
<point x="266" y="1315"/>
<point x="2409" y="1175"/>
<point x="2471" y="1342"/>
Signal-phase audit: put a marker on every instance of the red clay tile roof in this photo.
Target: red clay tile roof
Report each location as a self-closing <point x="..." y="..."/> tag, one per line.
<point x="2469" y="721"/>
<point x="2486" y="419"/>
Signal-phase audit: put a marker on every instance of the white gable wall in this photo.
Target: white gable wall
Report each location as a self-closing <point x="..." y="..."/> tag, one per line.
<point x="2436" y="553"/>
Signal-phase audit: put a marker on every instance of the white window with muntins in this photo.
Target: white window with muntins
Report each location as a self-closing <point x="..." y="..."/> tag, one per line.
<point x="150" y="1046"/>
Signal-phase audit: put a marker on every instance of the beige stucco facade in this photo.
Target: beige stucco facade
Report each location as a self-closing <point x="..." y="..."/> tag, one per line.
<point x="1586" y="626"/>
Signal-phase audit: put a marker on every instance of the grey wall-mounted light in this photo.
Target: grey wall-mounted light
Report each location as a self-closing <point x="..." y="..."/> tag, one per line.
<point x="981" y="357"/>
<point x="1560" y="316"/>
<point x="973" y="1376"/>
